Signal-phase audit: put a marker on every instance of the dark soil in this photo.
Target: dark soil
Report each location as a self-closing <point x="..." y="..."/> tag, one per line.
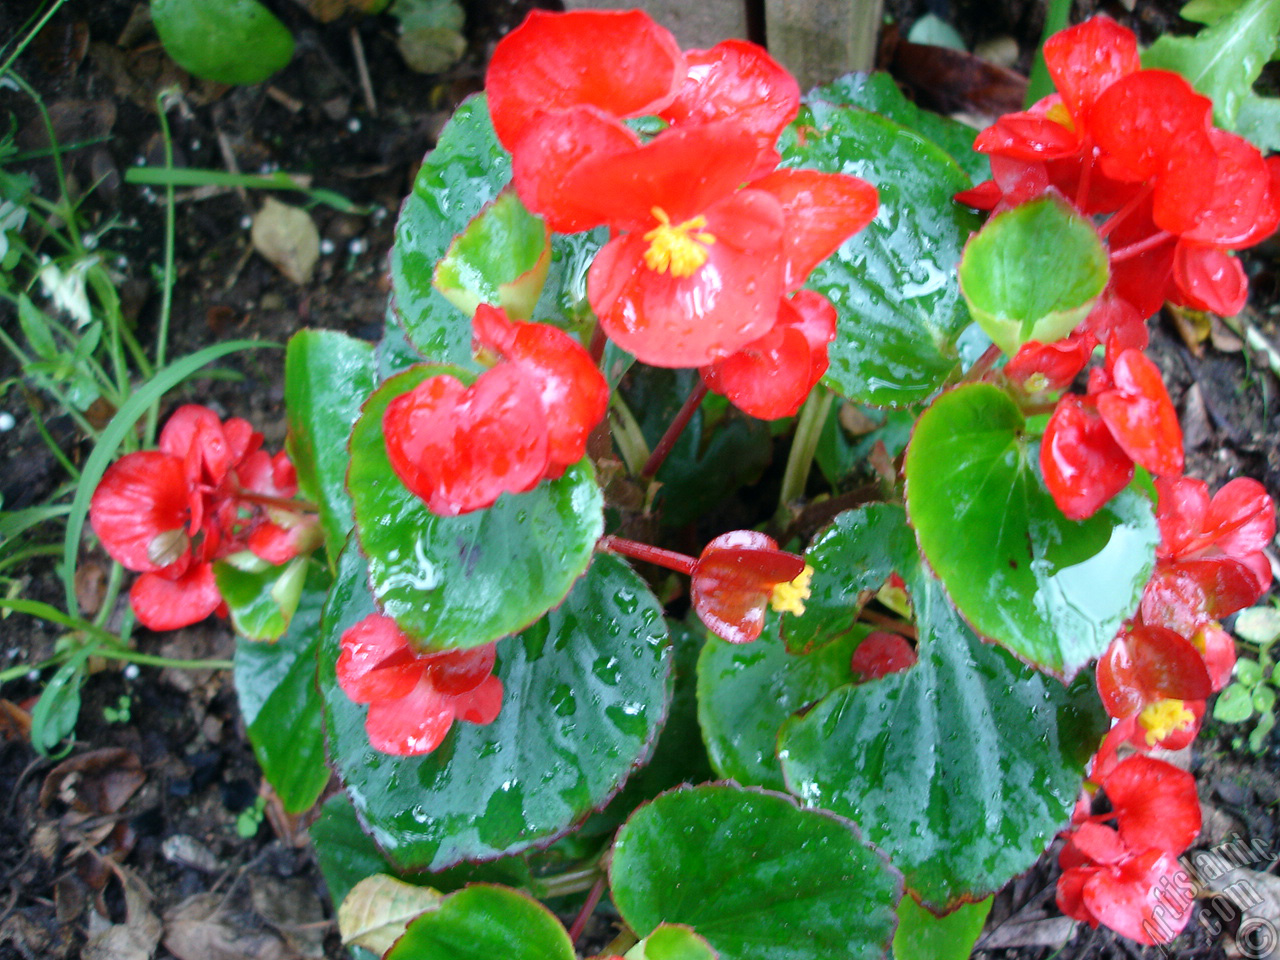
<point x="182" y="738"/>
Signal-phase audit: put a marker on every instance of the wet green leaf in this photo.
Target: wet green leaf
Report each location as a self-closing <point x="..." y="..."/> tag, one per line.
<point x="1033" y="273"/>
<point x="1053" y="591"/>
<point x="484" y="922"/>
<point x="672" y="942"/>
<point x="746" y="691"/>
<point x="281" y="706"/>
<point x="327" y="377"/>
<point x="893" y="283"/>
<point x="753" y="874"/>
<point x="1234" y="704"/>
<point x="961" y="768"/>
<point x="923" y="936"/>
<point x="585" y="694"/>
<point x="261" y="597"/>
<point x="500" y="259"/>
<point x="230" y="41"/>
<point x="465" y="581"/>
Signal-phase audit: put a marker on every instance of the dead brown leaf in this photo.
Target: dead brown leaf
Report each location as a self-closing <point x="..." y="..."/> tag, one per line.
<point x="139" y="935"/>
<point x="207" y="927"/>
<point x="15" y="723"/>
<point x="293" y="908"/>
<point x="287" y="237"/>
<point x="1192" y="326"/>
<point x="97" y="782"/>
<point x="1222" y="337"/>
<point x="951" y="81"/>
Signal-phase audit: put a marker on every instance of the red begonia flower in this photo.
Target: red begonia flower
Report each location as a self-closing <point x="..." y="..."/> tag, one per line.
<point x="460" y="448"/>
<point x="821" y="211"/>
<point x="573" y="392"/>
<point x="414" y="698"/>
<point x="1082" y="464"/>
<point x="770" y="377"/>
<point x="736" y="578"/>
<point x="1138" y="412"/>
<point x="1086" y="59"/>
<point x="1219" y="651"/>
<point x="620" y="62"/>
<point x="162" y="603"/>
<point x="140" y="511"/>
<point x="737" y="81"/>
<point x="1040" y="367"/>
<point x="1147" y="664"/>
<point x="1207" y="278"/>
<point x="1245" y="206"/>
<point x="1185" y="595"/>
<point x="1154" y="803"/>
<point x="1115" y="323"/>
<point x="881" y="653"/>
<point x="1238" y="520"/>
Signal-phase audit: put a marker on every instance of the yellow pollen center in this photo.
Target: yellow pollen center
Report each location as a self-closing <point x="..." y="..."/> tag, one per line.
<point x="1059" y="114"/>
<point x="678" y="247"/>
<point x="1164" y="717"/>
<point x="789" y="597"/>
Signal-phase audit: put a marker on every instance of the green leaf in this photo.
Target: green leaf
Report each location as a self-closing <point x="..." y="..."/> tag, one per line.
<point x="933" y="31"/>
<point x="466" y="171"/>
<point x="879" y="93"/>
<point x="757" y="877"/>
<point x="1223" y="61"/>
<point x="468" y="580"/>
<point x="347" y="855"/>
<point x="262" y="597"/>
<point x="1264" y="698"/>
<point x="484" y="922"/>
<point x="1033" y="273"/>
<point x="327" y="376"/>
<point x="672" y="942"/>
<point x="893" y="283"/>
<point x="231" y="41"/>
<point x="586" y="690"/>
<point x="281" y="706"/>
<point x="500" y="259"/>
<point x="1258" y="739"/>
<point x="841" y="454"/>
<point x="961" y="768"/>
<point x="1248" y="671"/>
<point x="1209" y="12"/>
<point x="1053" y="591"/>
<point x="746" y="691"/>
<point x="1234" y="704"/>
<point x="851" y="560"/>
<point x="35" y="326"/>
<point x="923" y="936"/>
<point x="54" y="716"/>
<point x="1259" y="121"/>
<point x="1260" y="625"/>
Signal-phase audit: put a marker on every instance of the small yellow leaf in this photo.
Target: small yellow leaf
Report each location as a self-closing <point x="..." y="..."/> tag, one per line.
<point x="288" y="238"/>
<point x="378" y="909"/>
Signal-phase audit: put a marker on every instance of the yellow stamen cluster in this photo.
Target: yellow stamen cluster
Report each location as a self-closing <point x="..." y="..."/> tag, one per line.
<point x="677" y="248"/>
<point x="789" y="597"/>
<point x="1164" y="717"/>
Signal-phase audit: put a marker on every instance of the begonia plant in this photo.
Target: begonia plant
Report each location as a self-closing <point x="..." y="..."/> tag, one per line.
<point x="546" y="649"/>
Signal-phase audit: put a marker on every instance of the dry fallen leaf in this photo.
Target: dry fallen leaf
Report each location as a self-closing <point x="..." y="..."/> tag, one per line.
<point x="378" y="908"/>
<point x="287" y="237"/>
<point x="204" y="927"/>
<point x="97" y="782"/>
<point x="139" y="935"/>
<point x="293" y="908"/>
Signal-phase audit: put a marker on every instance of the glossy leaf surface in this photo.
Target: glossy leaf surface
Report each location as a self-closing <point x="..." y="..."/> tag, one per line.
<point x="879" y="93"/>
<point x="893" y="283"/>
<point x="482" y="922"/>
<point x="672" y="941"/>
<point x="281" y="706"/>
<point x="746" y="691"/>
<point x="327" y="376"/>
<point x="467" y="580"/>
<point x="262" y="599"/>
<point x="500" y="259"/>
<point x="922" y="936"/>
<point x="1033" y="273"/>
<point x="1053" y="591"/>
<point x="961" y="768"/>
<point x="586" y="690"/>
<point x="758" y="877"/>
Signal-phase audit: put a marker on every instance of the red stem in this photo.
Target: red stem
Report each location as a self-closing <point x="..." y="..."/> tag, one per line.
<point x="593" y="898"/>
<point x="1142" y="246"/>
<point x="1086" y="175"/>
<point x="595" y="350"/>
<point x="983" y="364"/>
<point x="647" y="552"/>
<point x="892" y="624"/>
<point x="668" y="441"/>
<point x="281" y="503"/>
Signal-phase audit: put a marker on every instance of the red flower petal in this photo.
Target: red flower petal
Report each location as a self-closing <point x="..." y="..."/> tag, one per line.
<point x="880" y="654"/>
<point x="1219" y="651"/>
<point x="733" y="579"/>
<point x="574" y="394"/>
<point x="738" y="81"/>
<point x="690" y="321"/>
<point x="619" y="61"/>
<point x="483" y="704"/>
<point x="1209" y="279"/>
<point x="821" y="210"/>
<point x="766" y="379"/>
<point x="1028" y="136"/>
<point x="1148" y="664"/>
<point x="1052" y="365"/>
<point x="1086" y="59"/>
<point x="460" y="448"/>
<point x="1140" y="899"/>
<point x="1241" y="518"/>
<point x="1244" y="208"/>
<point x="1181" y="508"/>
<point x="1096" y="843"/>
<point x="1083" y="466"/>
<point x="412" y="725"/>
<point x="1185" y="595"/>
<point x="163" y="604"/>
<point x="1140" y="415"/>
<point x="455" y="672"/>
<point x="376" y="662"/>
<point x="1155" y="804"/>
<point x="140" y="509"/>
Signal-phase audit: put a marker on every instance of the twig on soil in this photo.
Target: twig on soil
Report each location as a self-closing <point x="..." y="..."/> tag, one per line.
<point x="362" y="68"/>
<point x="229" y="161"/>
